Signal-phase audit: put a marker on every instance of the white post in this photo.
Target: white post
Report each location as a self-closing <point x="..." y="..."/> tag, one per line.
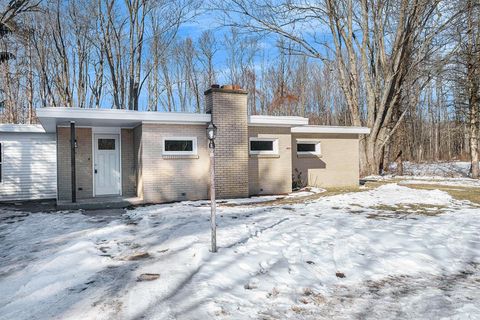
<point x="213" y="204"/>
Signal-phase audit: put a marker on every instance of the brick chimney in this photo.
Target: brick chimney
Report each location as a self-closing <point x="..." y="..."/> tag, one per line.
<point x="228" y="106"/>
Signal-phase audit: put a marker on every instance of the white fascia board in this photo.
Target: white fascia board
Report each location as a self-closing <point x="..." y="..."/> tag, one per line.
<point x="276" y="121"/>
<point x="26" y="128"/>
<point x="52" y="117"/>
<point x="331" y="129"/>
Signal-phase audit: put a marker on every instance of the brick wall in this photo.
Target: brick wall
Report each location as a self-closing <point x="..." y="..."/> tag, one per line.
<point x="229" y="114"/>
<point x="83" y="163"/>
<point x="173" y="178"/>
<point x="338" y="165"/>
<point x="271" y="174"/>
<point x="128" y="164"/>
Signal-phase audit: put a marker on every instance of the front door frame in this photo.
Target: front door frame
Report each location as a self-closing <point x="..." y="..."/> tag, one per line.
<point x="107" y="131"/>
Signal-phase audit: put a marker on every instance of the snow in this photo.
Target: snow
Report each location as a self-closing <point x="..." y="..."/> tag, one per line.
<point x="273" y="261"/>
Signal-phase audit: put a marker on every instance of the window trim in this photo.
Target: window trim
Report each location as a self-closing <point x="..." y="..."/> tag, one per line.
<point x="271" y="152"/>
<point x="317" y="143"/>
<point x="194" y="151"/>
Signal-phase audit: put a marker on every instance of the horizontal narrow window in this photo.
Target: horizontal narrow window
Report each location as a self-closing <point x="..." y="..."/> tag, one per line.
<point x="308" y="147"/>
<point x="263" y="146"/>
<point x="180" y="146"/>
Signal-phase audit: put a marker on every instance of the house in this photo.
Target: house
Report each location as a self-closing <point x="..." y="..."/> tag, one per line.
<point x="156" y="157"/>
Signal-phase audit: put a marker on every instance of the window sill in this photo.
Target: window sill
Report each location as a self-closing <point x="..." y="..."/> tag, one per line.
<point x="318" y="156"/>
<point x="180" y="156"/>
<point x="264" y="155"/>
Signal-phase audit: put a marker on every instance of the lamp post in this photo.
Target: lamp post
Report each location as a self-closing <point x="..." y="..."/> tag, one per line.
<point x="211" y="135"/>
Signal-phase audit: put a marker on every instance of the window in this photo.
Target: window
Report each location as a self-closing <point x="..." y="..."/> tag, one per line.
<point x="308" y="147"/>
<point x="180" y="146"/>
<point x="263" y="146"/>
<point x="1" y="163"/>
<point x="106" y="144"/>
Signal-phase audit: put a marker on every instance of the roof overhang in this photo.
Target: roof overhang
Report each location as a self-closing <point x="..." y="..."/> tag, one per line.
<point x="50" y="118"/>
<point x="331" y="129"/>
<point x="276" y="121"/>
<point x="21" y="128"/>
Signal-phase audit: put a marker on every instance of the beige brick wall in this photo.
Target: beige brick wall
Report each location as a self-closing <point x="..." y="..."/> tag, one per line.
<point x="271" y="174"/>
<point x="83" y="163"/>
<point x="229" y="114"/>
<point x="128" y="164"/>
<point x="138" y="149"/>
<point x="338" y="165"/>
<point x="175" y="178"/>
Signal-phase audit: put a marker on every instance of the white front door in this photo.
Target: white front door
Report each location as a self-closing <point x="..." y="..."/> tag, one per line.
<point x="107" y="164"/>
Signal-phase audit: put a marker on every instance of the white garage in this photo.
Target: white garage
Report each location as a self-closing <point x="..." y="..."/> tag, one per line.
<point x="28" y="168"/>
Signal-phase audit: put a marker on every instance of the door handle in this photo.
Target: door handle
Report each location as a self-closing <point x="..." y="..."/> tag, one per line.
<point x="95" y="171"/>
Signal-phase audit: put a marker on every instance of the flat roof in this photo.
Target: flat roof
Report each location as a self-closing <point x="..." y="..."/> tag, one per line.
<point x="276" y="121"/>
<point x="50" y="117"/>
<point x="331" y="129"/>
<point x="21" y="128"/>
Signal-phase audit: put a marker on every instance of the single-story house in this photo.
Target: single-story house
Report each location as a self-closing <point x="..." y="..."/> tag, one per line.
<point x="159" y="157"/>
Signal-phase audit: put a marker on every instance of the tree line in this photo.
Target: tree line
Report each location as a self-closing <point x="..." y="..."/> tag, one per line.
<point x="407" y="69"/>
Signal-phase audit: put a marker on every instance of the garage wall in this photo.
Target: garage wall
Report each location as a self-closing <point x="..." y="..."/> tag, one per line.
<point x="338" y="165"/>
<point x="29" y="166"/>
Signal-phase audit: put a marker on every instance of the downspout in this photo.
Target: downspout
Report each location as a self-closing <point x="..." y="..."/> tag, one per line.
<point x="72" y="159"/>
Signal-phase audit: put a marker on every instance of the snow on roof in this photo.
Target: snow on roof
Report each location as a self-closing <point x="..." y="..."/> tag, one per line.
<point x="276" y="121"/>
<point x="50" y="118"/>
<point x="331" y="129"/>
<point x="21" y="128"/>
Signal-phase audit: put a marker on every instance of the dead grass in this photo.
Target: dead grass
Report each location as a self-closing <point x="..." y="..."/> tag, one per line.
<point x="422" y="209"/>
<point x="295" y="200"/>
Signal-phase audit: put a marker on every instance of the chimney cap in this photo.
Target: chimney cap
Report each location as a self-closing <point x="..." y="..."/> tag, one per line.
<point x="227" y="88"/>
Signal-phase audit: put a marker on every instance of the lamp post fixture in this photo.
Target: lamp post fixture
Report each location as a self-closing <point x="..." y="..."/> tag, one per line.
<point x="211" y="135"/>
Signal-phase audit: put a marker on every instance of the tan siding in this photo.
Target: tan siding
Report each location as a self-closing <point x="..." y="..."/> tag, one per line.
<point x="83" y="163"/>
<point x="271" y="175"/>
<point x="338" y="165"/>
<point x="128" y="164"/>
<point x="167" y="179"/>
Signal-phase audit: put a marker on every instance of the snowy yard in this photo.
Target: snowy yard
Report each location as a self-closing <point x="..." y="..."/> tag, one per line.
<point x="388" y="252"/>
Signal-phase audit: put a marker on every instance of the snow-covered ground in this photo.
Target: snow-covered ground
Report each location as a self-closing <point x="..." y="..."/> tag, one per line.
<point x="347" y="256"/>
<point x="454" y="173"/>
<point x="452" y="169"/>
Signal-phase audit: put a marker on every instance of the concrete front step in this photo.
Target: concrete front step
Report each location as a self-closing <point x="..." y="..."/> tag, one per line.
<point x="100" y="203"/>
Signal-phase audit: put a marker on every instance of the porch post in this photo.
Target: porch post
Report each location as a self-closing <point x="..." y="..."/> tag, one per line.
<point x="72" y="159"/>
